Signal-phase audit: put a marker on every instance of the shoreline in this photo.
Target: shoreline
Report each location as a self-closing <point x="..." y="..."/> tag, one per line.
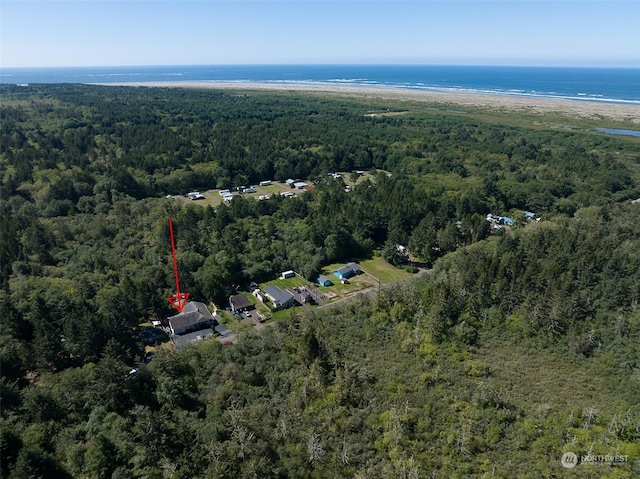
<point x="539" y="105"/>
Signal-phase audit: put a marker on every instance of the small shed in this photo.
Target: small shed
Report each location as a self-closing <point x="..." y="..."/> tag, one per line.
<point x="323" y="280"/>
<point x="287" y="274"/>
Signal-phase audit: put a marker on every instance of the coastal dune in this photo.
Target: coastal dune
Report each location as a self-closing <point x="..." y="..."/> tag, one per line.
<point x="585" y="109"/>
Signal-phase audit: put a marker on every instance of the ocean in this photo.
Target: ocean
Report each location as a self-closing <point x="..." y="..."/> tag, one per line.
<point x="611" y="85"/>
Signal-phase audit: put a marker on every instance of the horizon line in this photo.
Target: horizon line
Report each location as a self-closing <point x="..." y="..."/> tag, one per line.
<point x="363" y="64"/>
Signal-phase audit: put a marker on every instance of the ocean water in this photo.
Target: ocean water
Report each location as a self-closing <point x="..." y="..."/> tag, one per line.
<point x="618" y="85"/>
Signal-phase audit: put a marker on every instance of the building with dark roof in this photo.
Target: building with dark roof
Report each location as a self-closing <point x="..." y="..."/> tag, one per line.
<point x="280" y="298"/>
<point x="239" y="303"/>
<point x="347" y="271"/>
<point x="194" y="317"/>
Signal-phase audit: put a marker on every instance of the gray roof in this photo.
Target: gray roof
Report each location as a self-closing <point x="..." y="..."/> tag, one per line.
<point x="239" y="301"/>
<point x="343" y="270"/>
<point x="323" y="279"/>
<point x="193" y="313"/>
<point x="355" y="267"/>
<point x="278" y="295"/>
<point x="191" y="338"/>
<point x="221" y="329"/>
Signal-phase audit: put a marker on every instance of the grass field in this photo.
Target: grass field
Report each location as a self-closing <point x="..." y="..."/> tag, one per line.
<point x="374" y="269"/>
<point x="286" y="283"/>
<point x="382" y="270"/>
<point x="213" y="198"/>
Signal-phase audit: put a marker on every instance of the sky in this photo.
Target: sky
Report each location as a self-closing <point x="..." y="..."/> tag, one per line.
<point x="214" y="32"/>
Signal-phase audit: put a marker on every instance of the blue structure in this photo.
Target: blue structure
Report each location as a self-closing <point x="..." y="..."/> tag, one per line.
<point x="507" y="221"/>
<point x="323" y="280"/>
<point x="347" y="271"/>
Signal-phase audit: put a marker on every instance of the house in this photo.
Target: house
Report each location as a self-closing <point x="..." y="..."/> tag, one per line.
<point x="301" y="185"/>
<point x="239" y="303"/>
<point x="290" y="181"/>
<point x="280" y="298"/>
<point x="347" y="271"/>
<point x="251" y="189"/>
<point x="194" y="316"/>
<point x="323" y="280"/>
<point x="265" y="183"/>
<point x="287" y="274"/>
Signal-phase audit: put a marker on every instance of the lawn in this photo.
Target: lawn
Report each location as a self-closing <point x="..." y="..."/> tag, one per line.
<point x="355" y="284"/>
<point x="380" y="269"/>
<point x="287" y="283"/>
<point x="213" y="198"/>
<point x="374" y="269"/>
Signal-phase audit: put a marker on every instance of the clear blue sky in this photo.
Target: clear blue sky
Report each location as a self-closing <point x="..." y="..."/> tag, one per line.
<point x="182" y="32"/>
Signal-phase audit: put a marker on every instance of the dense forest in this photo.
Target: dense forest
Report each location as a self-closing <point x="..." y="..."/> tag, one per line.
<point x="521" y="343"/>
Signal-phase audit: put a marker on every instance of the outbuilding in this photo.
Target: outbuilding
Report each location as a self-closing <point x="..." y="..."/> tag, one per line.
<point x="324" y="281"/>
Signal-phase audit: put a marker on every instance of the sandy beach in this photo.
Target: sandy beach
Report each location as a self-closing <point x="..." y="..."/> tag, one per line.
<point x="584" y="109"/>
